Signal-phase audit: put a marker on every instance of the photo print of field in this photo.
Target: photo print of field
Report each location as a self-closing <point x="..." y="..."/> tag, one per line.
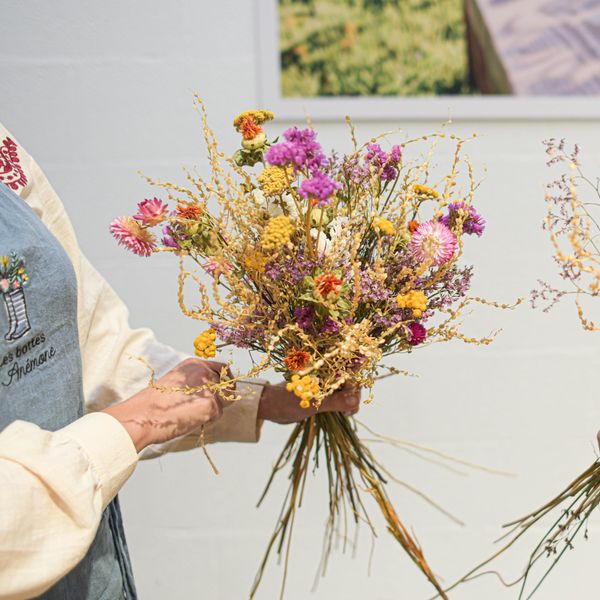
<point x="438" y="47"/>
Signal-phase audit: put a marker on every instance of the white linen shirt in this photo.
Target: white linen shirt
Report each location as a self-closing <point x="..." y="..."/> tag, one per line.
<point x="55" y="485"/>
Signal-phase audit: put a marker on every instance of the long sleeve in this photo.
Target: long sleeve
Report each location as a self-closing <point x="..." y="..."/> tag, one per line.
<point x="55" y="487"/>
<point x="109" y="346"/>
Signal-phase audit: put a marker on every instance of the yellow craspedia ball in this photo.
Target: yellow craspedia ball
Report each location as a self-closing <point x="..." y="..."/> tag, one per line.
<point x="415" y="300"/>
<point x="277" y="233"/>
<point x="305" y="387"/>
<point x="205" y="344"/>
<point x="384" y="226"/>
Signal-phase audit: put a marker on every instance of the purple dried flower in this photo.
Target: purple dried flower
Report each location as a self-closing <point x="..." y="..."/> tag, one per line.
<point x="474" y="223"/>
<point x="319" y="188"/>
<point x="304" y="316"/>
<point x="385" y="163"/>
<point x="300" y="149"/>
<point x="330" y="326"/>
<point x="168" y="237"/>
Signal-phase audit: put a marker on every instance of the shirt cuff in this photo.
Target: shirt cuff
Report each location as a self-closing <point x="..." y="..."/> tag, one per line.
<point x="239" y="422"/>
<point x="109" y="448"/>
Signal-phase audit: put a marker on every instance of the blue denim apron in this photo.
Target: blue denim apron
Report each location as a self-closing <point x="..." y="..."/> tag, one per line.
<point x="41" y="379"/>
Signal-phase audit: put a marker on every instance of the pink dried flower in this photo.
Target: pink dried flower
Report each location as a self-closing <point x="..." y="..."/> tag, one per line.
<point x="151" y="212"/>
<point x="433" y="241"/>
<point x="216" y="268"/>
<point x="417" y="334"/>
<point x="131" y="234"/>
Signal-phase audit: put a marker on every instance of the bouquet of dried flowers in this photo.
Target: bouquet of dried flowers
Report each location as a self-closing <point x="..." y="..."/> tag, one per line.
<point x="325" y="265"/>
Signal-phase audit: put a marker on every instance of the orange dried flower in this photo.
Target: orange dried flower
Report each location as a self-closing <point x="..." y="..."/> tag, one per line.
<point x="328" y="285"/>
<point x="296" y="360"/>
<point x="189" y="211"/>
<point x="413" y="226"/>
<point x="249" y="128"/>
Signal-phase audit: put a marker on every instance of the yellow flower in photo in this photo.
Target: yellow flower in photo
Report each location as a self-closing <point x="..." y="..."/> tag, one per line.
<point x="423" y="190"/>
<point x="415" y="300"/>
<point x="277" y="233"/>
<point x="205" y="344"/>
<point x="384" y="226"/>
<point x="4" y="260"/>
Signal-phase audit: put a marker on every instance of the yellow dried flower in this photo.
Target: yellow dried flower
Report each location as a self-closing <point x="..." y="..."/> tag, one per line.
<point x="384" y="226"/>
<point x="423" y="190"/>
<point x="273" y="181"/>
<point x="4" y="260"/>
<point x="258" y="116"/>
<point x="205" y="344"/>
<point x="277" y="233"/>
<point x="414" y="299"/>
<point x="255" y="261"/>
<point x="305" y="387"/>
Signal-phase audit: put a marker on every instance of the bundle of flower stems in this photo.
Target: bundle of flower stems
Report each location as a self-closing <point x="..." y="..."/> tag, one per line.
<point x="324" y="265"/>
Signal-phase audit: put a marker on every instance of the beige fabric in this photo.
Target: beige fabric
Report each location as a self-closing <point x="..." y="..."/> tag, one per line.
<point x="56" y="485"/>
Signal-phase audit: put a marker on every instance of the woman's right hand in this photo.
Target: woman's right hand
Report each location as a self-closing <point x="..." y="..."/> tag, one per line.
<point x="153" y="416"/>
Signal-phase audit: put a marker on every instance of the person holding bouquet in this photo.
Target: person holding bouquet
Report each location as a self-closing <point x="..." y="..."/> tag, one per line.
<point x="76" y="411"/>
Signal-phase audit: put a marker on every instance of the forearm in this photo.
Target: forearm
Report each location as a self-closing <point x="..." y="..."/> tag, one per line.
<point x="55" y="487"/>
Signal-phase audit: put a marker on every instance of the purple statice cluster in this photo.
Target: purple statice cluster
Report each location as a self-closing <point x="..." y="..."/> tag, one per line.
<point x="307" y="319"/>
<point x="473" y="224"/>
<point x="319" y="188"/>
<point x="171" y="233"/>
<point x="453" y="286"/>
<point x="385" y="163"/>
<point x="304" y="317"/>
<point x="372" y="290"/>
<point x="302" y="151"/>
<point x="295" y="269"/>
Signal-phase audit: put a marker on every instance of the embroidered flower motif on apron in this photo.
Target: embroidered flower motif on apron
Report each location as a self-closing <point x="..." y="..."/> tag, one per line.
<point x="13" y="279"/>
<point x="40" y="367"/>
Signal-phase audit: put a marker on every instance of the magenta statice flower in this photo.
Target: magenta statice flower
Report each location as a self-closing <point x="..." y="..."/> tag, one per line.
<point x="151" y="212"/>
<point x="319" y="188"/>
<point x="168" y="238"/>
<point x="384" y="162"/>
<point x="433" y="242"/>
<point x="474" y="222"/>
<point x="417" y="334"/>
<point x="300" y="149"/>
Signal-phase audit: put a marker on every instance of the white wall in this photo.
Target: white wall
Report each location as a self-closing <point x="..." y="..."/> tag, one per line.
<point x="97" y="90"/>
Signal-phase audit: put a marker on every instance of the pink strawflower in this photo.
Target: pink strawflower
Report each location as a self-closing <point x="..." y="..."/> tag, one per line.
<point x="433" y="242"/>
<point x="417" y="334"/>
<point x="4" y="284"/>
<point x="151" y="212"/>
<point x="216" y="268"/>
<point x="16" y="285"/>
<point x="131" y="234"/>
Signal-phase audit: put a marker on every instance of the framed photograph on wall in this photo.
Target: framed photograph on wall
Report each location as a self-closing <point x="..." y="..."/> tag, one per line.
<point x="430" y="59"/>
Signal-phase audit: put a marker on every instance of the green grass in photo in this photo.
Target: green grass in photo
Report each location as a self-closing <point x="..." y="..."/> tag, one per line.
<point x="373" y="48"/>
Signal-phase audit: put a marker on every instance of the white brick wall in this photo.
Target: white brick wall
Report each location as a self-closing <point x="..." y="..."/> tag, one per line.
<point x="97" y="90"/>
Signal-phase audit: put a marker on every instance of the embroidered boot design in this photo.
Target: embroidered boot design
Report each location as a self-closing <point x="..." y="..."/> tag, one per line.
<point x="13" y="279"/>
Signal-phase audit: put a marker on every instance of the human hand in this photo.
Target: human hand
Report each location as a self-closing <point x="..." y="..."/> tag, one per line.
<point x="153" y="415"/>
<point x="280" y="406"/>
